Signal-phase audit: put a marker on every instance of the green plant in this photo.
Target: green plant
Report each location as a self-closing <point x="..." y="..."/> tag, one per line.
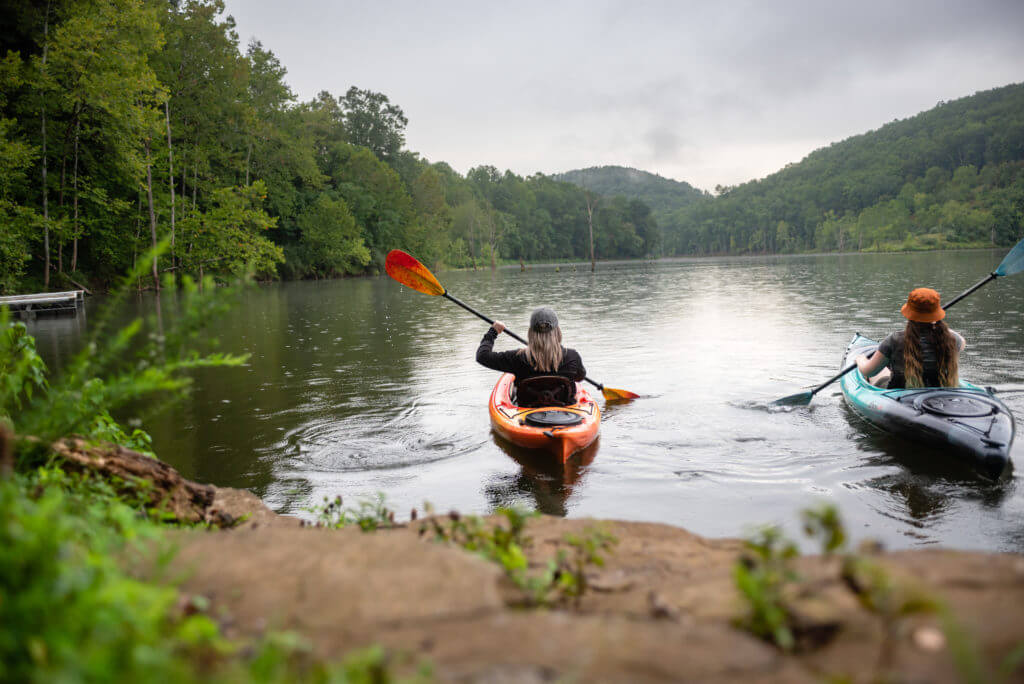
<point x="762" y="576"/>
<point x="890" y="600"/>
<point x="570" y="578"/>
<point x="142" y="360"/>
<point x="369" y="514"/>
<point x="823" y="522"/>
<point x="67" y="610"/>
<point x="559" y="580"/>
<point x="287" y="657"/>
<point x="72" y="610"/>
<point x="494" y="542"/>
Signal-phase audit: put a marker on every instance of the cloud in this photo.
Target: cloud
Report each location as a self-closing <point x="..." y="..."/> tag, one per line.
<point x="708" y="93"/>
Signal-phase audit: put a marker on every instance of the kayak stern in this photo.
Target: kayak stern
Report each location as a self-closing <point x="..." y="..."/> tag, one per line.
<point x="510" y="422"/>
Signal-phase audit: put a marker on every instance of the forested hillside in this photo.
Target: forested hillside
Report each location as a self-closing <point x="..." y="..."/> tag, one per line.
<point x="126" y="123"/>
<point x="950" y="177"/>
<point x="663" y="195"/>
<point x="129" y="123"/>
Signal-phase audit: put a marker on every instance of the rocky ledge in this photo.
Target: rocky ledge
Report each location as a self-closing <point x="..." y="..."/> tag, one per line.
<point x="663" y="607"/>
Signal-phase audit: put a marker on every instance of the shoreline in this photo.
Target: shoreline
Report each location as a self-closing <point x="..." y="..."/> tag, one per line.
<point x="104" y="289"/>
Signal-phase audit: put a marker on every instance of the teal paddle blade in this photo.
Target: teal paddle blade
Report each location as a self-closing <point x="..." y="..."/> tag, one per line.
<point x="1012" y="262"/>
<point x="799" y="399"/>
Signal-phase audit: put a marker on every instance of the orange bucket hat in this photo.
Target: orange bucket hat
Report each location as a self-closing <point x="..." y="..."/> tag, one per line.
<point x="923" y="305"/>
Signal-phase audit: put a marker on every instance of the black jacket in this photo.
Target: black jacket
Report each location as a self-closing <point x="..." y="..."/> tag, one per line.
<point x="515" y="361"/>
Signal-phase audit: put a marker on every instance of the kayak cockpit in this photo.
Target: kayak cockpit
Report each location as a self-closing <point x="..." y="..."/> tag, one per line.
<point x="966" y="421"/>
<point x="543" y="390"/>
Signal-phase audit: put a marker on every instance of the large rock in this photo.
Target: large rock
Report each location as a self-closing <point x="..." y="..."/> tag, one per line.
<point x="663" y="607"/>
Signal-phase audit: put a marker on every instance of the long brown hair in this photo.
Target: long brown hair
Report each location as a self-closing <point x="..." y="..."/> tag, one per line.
<point x="947" y="352"/>
<point x="544" y="349"/>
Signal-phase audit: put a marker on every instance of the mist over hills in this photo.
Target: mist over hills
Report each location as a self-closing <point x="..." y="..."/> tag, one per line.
<point x="663" y="195"/>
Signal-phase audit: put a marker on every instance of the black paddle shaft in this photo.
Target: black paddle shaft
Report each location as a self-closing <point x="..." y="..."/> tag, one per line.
<point x="984" y="281"/>
<point x="508" y="332"/>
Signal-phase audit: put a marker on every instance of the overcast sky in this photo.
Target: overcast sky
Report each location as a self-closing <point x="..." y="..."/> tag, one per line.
<point x="704" y="92"/>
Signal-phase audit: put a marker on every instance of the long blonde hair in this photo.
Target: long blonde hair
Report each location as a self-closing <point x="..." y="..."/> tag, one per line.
<point x="947" y="351"/>
<point x="544" y="349"/>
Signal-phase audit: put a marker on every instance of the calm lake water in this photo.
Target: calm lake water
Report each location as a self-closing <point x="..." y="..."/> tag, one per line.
<point x="363" y="386"/>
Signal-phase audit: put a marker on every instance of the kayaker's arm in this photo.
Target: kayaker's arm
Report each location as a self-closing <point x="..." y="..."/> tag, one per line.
<point x="869" y="367"/>
<point x="486" y="356"/>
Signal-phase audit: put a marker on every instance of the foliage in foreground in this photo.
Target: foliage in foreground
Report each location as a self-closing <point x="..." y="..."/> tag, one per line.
<point x="71" y="612"/>
<point x="768" y="584"/>
<point x="559" y="580"/>
<point x="71" y="609"/>
<point x="144" y="360"/>
<point x="369" y="514"/>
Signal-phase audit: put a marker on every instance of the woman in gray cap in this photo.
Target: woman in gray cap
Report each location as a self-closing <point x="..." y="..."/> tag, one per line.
<point x="543" y="355"/>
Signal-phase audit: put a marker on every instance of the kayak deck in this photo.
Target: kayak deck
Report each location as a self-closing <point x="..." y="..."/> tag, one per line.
<point x="531" y="428"/>
<point x="966" y="422"/>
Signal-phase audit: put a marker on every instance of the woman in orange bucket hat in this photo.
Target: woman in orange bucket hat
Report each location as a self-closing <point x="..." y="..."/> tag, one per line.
<point x="925" y="354"/>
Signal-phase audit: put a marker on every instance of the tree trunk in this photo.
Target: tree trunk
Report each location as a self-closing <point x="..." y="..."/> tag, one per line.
<point x="74" y="224"/>
<point x="135" y="244"/>
<point x="152" y="214"/>
<point x="195" y="178"/>
<point x="591" y="203"/>
<point x="473" y="246"/>
<point x="46" y="208"/>
<point x="248" y="156"/>
<point x="170" y="171"/>
<point x="492" y="240"/>
<point x="46" y="191"/>
<point x="60" y="194"/>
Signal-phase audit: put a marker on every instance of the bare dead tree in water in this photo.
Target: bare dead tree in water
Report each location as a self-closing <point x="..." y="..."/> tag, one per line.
<point x="592" y="202"/>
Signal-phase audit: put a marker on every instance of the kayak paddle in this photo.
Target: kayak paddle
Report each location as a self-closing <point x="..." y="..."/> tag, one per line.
<point x="1011" y="264"/>
<point x="407" y="270"/>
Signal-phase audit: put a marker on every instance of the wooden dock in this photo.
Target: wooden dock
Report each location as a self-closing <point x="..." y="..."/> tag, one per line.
<point x="44" y="302"/>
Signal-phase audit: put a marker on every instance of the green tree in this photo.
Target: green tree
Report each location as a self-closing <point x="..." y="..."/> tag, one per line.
<point x="372" y="121"/>
<point x="331" y="243"/>
<point x="229" y="238"/>
<point x="98" y="58"/>
<point x="19" y="223"/>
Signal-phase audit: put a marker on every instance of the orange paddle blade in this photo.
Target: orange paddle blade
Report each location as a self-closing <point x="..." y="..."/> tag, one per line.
<point x="407" y="270"/>
<point x="612" y="394"/>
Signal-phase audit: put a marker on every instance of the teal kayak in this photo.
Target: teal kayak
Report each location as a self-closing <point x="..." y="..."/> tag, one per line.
<point x="966" y="422"/>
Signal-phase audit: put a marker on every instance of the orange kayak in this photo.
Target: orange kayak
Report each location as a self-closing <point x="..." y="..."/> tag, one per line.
<point x="562" y="430"/>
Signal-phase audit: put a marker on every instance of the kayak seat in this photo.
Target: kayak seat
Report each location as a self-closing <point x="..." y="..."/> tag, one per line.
<point x="545" y="390"/>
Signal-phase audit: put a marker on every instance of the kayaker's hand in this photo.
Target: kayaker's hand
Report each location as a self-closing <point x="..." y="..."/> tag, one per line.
<point x="498" y="326"/>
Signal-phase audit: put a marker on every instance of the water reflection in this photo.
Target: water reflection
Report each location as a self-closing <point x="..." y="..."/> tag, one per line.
<point x="542" y="477"/>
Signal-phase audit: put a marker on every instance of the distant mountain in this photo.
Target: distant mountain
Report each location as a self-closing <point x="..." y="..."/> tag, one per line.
<point x="663" y="195"/>
<point x="952" y="176"/>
